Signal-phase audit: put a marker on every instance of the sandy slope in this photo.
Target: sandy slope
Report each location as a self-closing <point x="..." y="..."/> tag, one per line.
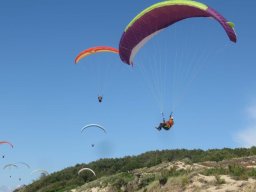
<point x="192" y="181"/>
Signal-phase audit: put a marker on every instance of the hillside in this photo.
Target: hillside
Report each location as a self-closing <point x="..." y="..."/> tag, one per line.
<point x="169" y="170"/>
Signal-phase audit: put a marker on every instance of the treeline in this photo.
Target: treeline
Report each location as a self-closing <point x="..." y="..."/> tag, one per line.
<point x="69" y="179"/>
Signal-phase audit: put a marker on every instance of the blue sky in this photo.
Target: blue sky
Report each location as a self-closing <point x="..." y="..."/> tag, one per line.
<point x="45" y="99"/>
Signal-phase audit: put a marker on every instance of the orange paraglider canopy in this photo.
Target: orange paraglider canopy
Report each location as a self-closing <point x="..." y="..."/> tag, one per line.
<point x="93" y="50"/>
<point x="6" y="142"/>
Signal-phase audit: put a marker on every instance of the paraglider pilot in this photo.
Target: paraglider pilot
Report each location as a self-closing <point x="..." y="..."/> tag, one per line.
<point x="166" y="124"/>
<point x="100" y="98"/>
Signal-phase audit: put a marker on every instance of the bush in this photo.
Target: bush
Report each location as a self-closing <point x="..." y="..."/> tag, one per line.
<point x="145" y="181"/>
<point x="215" y="171"/>
<point x="163" y="180"/>
<point x="238" y="172"/>
<point x="119" y="183"/>
<point x="184" y="181"/>
<point x="219" y="181"/>
<point x="252" y="173"/>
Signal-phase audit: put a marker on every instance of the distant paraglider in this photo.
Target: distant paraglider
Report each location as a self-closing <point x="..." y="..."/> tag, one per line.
<point x="93" y="126"/>
<point x="10" y="166"/>
<point x="43" y="173"/>
<point x="7" y="143"/>
<point x="99" y="74"/>
<point x="86" y="169"/>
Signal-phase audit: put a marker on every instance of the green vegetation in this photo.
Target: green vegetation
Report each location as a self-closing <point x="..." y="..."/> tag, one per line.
<point x="237" y="172"/>
<point x="122" y="167"/>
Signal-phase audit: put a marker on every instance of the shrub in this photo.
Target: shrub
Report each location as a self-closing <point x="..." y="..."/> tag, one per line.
<point x="219" y="181"/>
<point x="163" y="180"/>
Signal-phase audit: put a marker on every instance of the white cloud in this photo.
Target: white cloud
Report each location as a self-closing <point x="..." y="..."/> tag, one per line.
<point x="247" y="136"/>
<point x="252" y="112"/>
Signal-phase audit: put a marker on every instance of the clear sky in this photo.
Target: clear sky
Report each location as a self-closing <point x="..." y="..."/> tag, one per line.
<point x="45" y="99"/>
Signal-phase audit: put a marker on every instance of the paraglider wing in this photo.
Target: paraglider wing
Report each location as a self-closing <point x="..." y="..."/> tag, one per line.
<point x="41" y="171"/>
<point x="93" y="125"/>
<point x="86" y="169"/>
<point x="161" y="15"/>
<point x="95" y="50"/>
<point x="25" y="164"/>
<point x="6" y="142"/>
<point x="10" y="166"/>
